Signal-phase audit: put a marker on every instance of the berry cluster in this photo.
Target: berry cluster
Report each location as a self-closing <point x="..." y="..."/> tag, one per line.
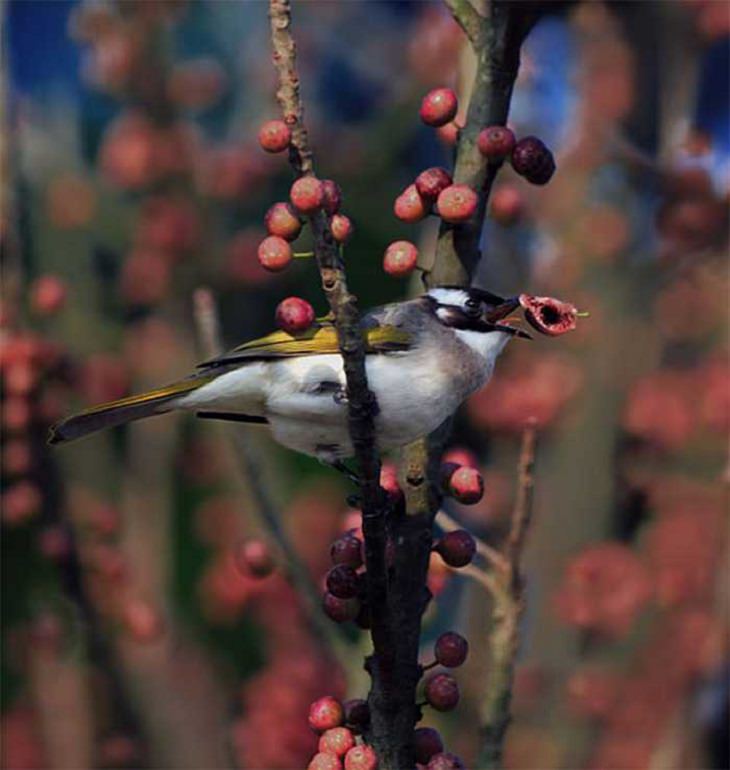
<point x="340" y="726"/>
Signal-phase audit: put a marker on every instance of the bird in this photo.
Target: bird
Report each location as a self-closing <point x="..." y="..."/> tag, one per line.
<point x="424" y="357"/>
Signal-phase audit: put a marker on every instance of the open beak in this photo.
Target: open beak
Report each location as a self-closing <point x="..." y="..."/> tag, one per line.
<point x="496" y="314"/>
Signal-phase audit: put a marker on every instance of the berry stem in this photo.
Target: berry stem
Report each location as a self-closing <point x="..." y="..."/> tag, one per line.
<point x="303" y="254"/>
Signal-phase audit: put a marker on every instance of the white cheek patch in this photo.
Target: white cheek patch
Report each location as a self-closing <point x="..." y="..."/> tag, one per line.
<point x="449" y="296"/>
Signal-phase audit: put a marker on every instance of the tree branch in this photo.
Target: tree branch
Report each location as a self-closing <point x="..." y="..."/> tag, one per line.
<point x="468" y="18"/>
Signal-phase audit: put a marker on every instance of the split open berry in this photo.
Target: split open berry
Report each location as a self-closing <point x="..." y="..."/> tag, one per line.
<point x="254" y="557"/>
<point x="548" y="315"/>
<point x="461" y="456"/>
<point x="432" y="181"/>
<point x="324" y="760"/>
<point x="361" y="758"/>
<point x="274" y="136"/>
<point x="282" y="220"/>
<point x="341" y="227"/>
<point x="307" y="194"/>
<point x="274" y="253"/>
<point x="456" y="548"/>
<point x="294" y="314"/>
<point x="533" y="160"/>
<point x="342" y="582"/>
<point x="451" y="649"/>
<point x="426" y="743"/>
<point x="340" y="610"/>
<point x="466" y="485"/>
<point x="347" y="549"/>
<point x="337" y="741"/>
<point x="325" y="713"/>
<point x="331" y="197"/>
<point x="496" y="142"/>
<point x="506" y="204"/>
<point x="400" y="259"/>
<point x="457" y="203"/>
<point x="439" y="107"/>
<point x="409" y="206"/>
<point x="357" y="714"/>
<point x="445" y="761"/>
<point x="442" y="692"/>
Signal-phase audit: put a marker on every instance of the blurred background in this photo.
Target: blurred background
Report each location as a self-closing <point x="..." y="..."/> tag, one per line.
<point x="134" y="632"/>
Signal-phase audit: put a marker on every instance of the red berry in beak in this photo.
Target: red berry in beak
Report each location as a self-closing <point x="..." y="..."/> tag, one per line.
<point x="548" y="315"/>
<point x="439" y="107"/>
<point x="274" y="136"/>
<point x="294" y="314"/>
<point x="457" y="203"/>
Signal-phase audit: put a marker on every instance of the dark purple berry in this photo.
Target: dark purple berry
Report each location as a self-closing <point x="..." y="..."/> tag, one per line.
<point x="533" y="160"/>
<point x="347" y="549"/>
<point x="457" y="548"/>
<point x="451" y="649"/>
<point x="342" y="581"/>
<point x="426" y="743"/>
<point x="357" y="714"/>
<point x="445" y="761"/>
<point x="442" y="692"/>
<point x="340" y="610"/>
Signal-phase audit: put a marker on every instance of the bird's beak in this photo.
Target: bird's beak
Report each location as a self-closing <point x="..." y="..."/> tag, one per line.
<point x="495" y="315"/>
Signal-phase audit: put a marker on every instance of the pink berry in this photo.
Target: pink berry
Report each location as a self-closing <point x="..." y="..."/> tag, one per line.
<point x="274" y="253"/>
<point x="449" y="133"/>
<point x="445" y="761"/>
<point x="457" y="548"/>
<point x="47" y="295"/>
<point x="341" y="227"/>
<point x="466" y="485"/>
<point x="389" y="482"/>
<point x="325" y="713"/>
<point x="307" y="195"/>
<point x="357" y="714"/>
<point x="324" y="760"/>
<point x="340" y="610"/>
<point x="496" y="142"/>
<point x="432" y="181"/>
<point x="426" y="743"/>
<point x="451" y="649"/>
<point x="342" y="582"/>
<point x="347" y="549"/>
<point x="331" y="197"/>
<point x="361" y="758"/>
<point x="533" y="160"/>
<point x="294" y="314"/>
<point x="409" y="206"/>
<point x="506" y="204"/>
<point x="461" y="456"/>
<point x="282" y="220"/>
<point x="442" y="692"/>
<point x="400" y="258"/>
<point x="254" y="557"/>
<point x="337" y="741"/>
<point x="274" y="136"/>
<point x="457" y="203"/>
<point x="439" y="107"/>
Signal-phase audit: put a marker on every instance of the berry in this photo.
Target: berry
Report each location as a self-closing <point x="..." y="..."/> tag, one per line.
<point x="533" y="160"/>
<point x="307" y="194"/>
<point x="274" y="253"/>
<point x="496" y="142"/>
<point x="548" y="315"/>
<point x="457" y="203"/>
<point x="409" y="206"/>
<point x="347" y="549"/>
<point x="432" y="181"/>
<point x="439" y="107"/>
<point x="325" y="713"/>
<point x="331" y="197"/>
<point x="282" y="220"/>
<point x="324" y="760"/>
<point x="461" y="456"/>
<point x="442" y="692"/>
<point x="357" y="714"/>
<point x="47" y="295"/>
<point x="341" y="227"/>
<point x="426" y="743"/>
<point x="466" y="485"/>
<point x="451" y="649"/>
<point x="274" y="136"/>
<point x="142" y="621"/>
<point x="506" y="204"/>
<point x="400" y="258"/>
<point x="448" y="133"/>
<point x="389" y="481"/>
<point x="254" y="557"/>
<point x="294" y="314"/>
<point x="340" y="610"/>
<point x="342" y="582"/>
<point x="457" y="548"/>
<point x="361" y="758"/>
<point x="337" y="741"/>
<point x="445" y="761"/>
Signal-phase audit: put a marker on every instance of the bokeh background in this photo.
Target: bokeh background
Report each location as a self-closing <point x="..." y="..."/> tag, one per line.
<point x="132" y="177"/>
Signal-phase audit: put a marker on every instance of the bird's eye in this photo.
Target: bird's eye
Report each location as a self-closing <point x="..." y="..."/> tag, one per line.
<point x="473" y="307"/>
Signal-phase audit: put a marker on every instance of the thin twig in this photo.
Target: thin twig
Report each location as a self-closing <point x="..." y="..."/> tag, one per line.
<point x="491" y="555"/>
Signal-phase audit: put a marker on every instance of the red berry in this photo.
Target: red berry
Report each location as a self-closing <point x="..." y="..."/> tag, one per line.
<point x="496" y="142"/>
<point x="342" y="581"/>
<point x="325" y="713"/>
<point x="451" y="649"/>
<point x="400" y="258"/>
<point x="142" y="621"/>
<point x="254" y="557"/>
<point x="461" y="456"/>
<point x="337" y="741"/>
<point x="409" y="206"/>
<point x="340" y="610"/>
<point x="307" y="194"/>
<point x="324" y="760"/>
<point x="466" y="485"/>
<point x="439" y="107"/>
<point x="361" y="758"/>
<point x="341" y="227"/>
<point x="448" y="133"/>
<point x="549" y="315"/>
<point x="47" y="295"/>
<point x="331" y="197"/>
<point x="426" y="743"/>
<point x="457" y="203"/>
<point x="457" y="548"/>
<point x="282" y="220"/>
<point x="389" y="482"/>
<point x="442" y="692"/>
<point x="274" y="253"/>
<point x="347" y="549"/>
<point x="294" y="314"/>
<point x="274" y="136"/>
<point x="445" y="761"/>
<point x="506" y="204"/>
<point x="432" y="181"/>
<point x="533" y="160"/>
<point x="357" y="714"/>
